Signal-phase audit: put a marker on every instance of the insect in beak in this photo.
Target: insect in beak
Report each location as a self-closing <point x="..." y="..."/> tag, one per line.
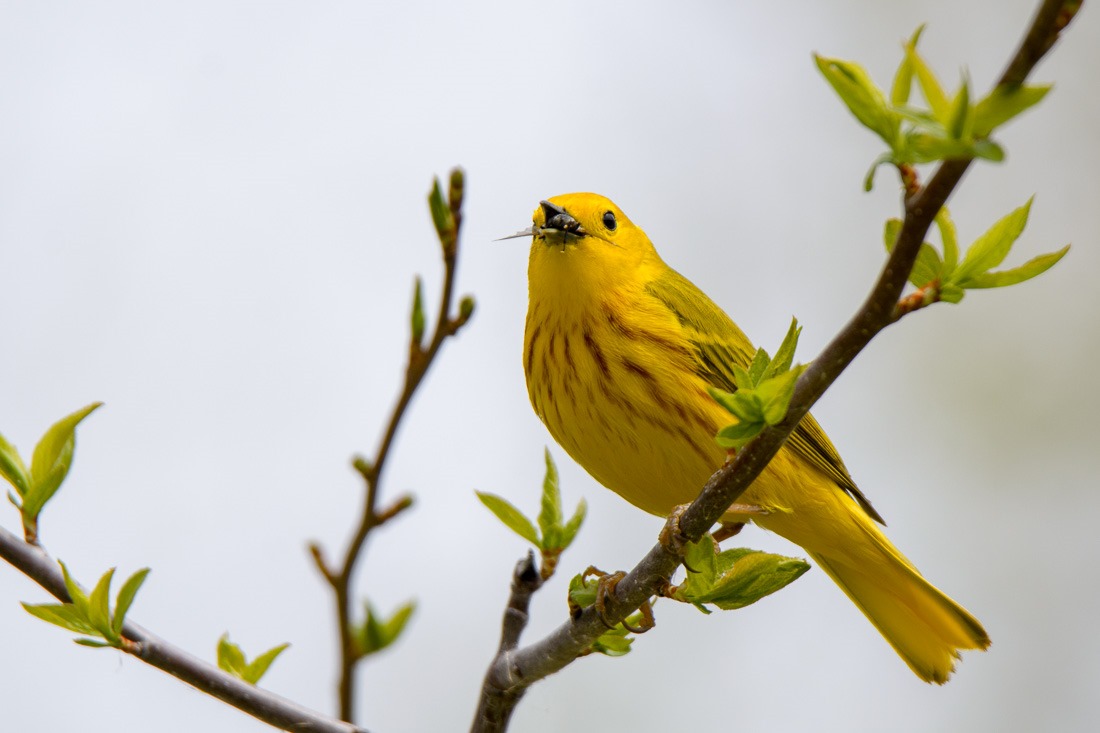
<point x="559" y="226"/>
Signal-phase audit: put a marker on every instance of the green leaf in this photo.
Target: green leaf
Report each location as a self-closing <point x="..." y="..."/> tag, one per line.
<point x="64" y="615"/>
<point x="869" y="179"/>
<point x="746" y="576"/>
<point x="759" y="365"/>
<point x="372" y="634"/>
<point x="950" y="240"/>
<point x="76" y="594"/>
<point x="990" y="249"/>
<point x="987" y="150"/>
<point x="582" y="590"/>
<point x="615" y="642"/>
<point x="738" y="434"/>
<point x="741" y="378"/>
<point x="861" y="96"/>
<point x="94" y="643"/>
<point x="1031" y="268"/>
<point x="255" y="671"/>
<point x="776" y="393"/>
<point x="550" y="517"/>
<point x="230" y="657"/>
<point x="569" y="531"/>
<point x="951" y="293"/>
<point x="99" y="613"/>
<point x="701" y="561"/>
<point x="466" y="308"/>
<point x="903" y="77"/>
<point x="923" y="147"/>
<point x="1004" y="103"/>
<point x="929" y="85"/>
<point x="928" y="266"/>
<point x="397" y="622"/>
<point x="743" y="404"/>
<point x="441" y="213"/>
<point x="12" y="467"/>
<point x="51" y="460"/>
<point x="890" y="233"/>
<point x="921" y="120"/>
<point x="513" y="519"/>
<point x="960" y="122"/>
<point x="784" y="355"/>
<point x="417" y="316"/>
<point x="126" y="598"/>
<point x="376" y="633"/>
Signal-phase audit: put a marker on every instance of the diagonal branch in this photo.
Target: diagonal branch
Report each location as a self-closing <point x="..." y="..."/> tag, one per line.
<point x="512" y="671"/>
<point x="151" y="649"/>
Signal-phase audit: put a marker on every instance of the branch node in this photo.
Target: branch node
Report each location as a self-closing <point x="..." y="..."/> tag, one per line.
<point x="318" y="555"/>
<point x="401" y="504"/>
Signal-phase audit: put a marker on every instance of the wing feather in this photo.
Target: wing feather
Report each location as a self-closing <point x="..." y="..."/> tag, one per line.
<point x="720" y="345"/>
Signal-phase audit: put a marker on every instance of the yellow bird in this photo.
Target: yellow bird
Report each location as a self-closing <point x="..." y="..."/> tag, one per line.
<point x="619" y="351"/>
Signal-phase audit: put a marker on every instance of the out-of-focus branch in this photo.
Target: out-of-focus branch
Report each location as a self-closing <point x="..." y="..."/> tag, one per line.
<point x="513" y="670"/>
<point x="498" y="702"/>
<point x="420" y="360"/>
<point x="151" y="649"/>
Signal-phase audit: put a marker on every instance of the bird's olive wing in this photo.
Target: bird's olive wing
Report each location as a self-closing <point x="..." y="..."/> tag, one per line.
<point x="720" y="345"/>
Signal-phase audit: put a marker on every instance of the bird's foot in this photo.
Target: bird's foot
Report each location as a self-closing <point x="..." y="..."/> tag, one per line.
<point x="605" y="587"/>
<point x="672" y="538"/>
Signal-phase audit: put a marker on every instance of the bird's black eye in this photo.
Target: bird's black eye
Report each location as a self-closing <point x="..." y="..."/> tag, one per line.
<point x="609" y="221"/>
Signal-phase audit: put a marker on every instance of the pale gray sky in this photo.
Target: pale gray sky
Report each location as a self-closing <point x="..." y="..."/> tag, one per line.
<point x="210" y="218"/>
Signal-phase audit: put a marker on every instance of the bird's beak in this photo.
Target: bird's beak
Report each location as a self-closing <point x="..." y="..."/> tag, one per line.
<point x="559" y="220"/>
<point x="556" y="222"/>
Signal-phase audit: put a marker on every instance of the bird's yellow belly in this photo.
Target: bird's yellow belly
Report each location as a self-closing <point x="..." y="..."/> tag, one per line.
<point x="633" y="413"/>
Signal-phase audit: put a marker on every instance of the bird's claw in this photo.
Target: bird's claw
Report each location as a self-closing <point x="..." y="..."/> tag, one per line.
<point x="672" y="538"/>
<point x="605" y="586"/>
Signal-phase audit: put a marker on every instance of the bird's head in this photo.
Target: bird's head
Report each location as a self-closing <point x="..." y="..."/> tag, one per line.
<point x="587" y="228"/>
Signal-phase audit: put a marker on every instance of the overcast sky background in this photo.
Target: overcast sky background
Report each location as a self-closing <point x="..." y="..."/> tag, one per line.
<point x="211" y="215"/>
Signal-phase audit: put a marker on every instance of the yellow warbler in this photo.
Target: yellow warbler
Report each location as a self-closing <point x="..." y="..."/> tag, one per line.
<point x="619" y="351"/>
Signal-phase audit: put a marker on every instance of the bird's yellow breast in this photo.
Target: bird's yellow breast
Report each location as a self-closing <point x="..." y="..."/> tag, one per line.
<point x="614" y="380"/>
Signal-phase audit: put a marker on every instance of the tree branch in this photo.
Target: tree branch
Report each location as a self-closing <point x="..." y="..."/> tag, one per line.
<point x="151" y="649"/>
<point x="512" y="671"/>
<point x="420" y="360"/>
<point x="498" y="702"/>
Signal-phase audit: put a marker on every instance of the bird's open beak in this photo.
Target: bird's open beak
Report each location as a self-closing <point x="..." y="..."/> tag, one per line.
<point x="557" y="222"/>
<point x="557" y="219"/>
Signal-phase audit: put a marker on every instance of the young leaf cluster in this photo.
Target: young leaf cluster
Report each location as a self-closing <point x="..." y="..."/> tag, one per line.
<point x="90" y="614"/>
<point x="50" y="464"/>
<point x="763" y="393"/>
<point x="948" y="126"/>
<point x="446" y="214"/>
<point x="231" y="659"/>
<point x="944" y="277"/>
<point x="553" y="534"/>
<point x="376" y="633"/>
<point x="733" y="578"/>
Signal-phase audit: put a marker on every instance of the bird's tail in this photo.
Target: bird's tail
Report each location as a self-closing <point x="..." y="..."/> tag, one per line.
<point x="927" y="628"/>
<point x="924" y="626"/>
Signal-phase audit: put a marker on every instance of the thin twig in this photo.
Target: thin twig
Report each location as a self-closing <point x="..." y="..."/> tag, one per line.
<point x="259" y="703"/>
<point x="511" y="672"/>
<point x="420" y="360"/>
